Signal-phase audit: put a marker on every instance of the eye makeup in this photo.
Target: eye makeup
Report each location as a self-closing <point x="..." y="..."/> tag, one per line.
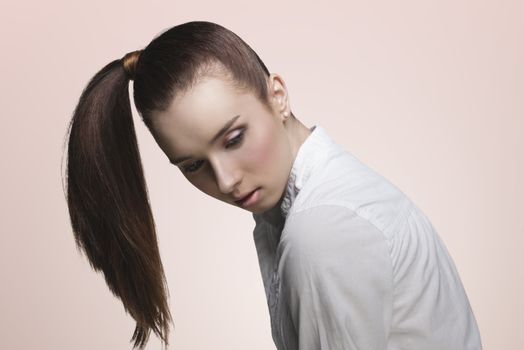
<point x="233" y="142"/>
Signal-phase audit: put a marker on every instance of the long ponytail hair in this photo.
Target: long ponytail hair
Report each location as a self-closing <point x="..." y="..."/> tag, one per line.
<point x="107" y="195"/>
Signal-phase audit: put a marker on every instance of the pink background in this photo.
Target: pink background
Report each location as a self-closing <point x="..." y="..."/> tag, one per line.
<point x="428" y="93"/>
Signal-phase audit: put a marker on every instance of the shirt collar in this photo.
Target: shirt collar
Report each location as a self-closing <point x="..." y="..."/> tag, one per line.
<point x="309" y="157"/>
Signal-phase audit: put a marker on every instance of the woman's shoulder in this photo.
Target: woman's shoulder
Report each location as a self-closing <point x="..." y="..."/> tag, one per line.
<point x="346" y="182"/>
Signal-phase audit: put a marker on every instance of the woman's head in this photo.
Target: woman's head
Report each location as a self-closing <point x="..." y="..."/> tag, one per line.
<point x="253" y="152"/>
<point x="187" y="93"/>
<point x="188" y="82"/>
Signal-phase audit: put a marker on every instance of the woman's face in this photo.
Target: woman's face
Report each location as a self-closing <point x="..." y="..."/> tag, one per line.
<point x="227" y="144"/>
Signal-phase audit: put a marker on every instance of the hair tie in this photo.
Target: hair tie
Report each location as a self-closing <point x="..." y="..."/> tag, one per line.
<point x="129" y="61"/>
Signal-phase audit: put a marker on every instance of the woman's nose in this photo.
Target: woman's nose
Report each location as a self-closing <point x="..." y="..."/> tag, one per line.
<point x="226" y="174"/>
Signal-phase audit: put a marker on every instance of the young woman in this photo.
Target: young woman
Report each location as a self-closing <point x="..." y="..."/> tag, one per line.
<point x="348" y="261"/>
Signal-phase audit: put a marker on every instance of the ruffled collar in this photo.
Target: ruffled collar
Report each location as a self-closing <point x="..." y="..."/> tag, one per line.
<point x="309" y="156"/>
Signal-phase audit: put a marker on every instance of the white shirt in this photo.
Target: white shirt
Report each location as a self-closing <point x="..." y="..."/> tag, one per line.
<point x="349" y="262"/>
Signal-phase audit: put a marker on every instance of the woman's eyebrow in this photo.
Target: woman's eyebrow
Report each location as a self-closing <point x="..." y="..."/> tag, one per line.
<point x="220" y="132"/>
<point x="224" y="129"/>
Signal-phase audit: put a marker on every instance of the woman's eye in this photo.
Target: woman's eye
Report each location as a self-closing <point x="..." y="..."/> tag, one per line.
<point x="236" y="140"/>
<point x="191" y="167"/>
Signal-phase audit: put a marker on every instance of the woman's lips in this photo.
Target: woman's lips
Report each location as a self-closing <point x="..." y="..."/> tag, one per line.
<point x="250" y="199"/>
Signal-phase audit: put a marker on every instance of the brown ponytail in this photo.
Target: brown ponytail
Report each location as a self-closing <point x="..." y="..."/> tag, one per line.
<point x="108" y="202"/>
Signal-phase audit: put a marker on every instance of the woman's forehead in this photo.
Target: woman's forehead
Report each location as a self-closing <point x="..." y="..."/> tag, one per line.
<point x="210" y="100"/>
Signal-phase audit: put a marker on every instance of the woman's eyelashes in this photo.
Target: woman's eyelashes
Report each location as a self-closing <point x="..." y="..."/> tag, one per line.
<point x="235" y="141"/>
<point x="191" y="167"/>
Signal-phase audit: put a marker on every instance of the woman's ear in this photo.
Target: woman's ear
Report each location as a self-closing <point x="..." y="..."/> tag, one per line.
<point x="278" y="95"/>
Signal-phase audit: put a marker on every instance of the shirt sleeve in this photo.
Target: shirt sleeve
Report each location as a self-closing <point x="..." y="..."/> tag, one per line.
<point x="336" y="277"/>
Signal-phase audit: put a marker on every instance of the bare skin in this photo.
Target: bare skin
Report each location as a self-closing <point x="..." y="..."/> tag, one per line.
<point x="255" y="153"/>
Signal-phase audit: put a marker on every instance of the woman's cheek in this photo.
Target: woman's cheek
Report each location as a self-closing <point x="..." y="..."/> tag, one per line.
<point x="259" y="154"/>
